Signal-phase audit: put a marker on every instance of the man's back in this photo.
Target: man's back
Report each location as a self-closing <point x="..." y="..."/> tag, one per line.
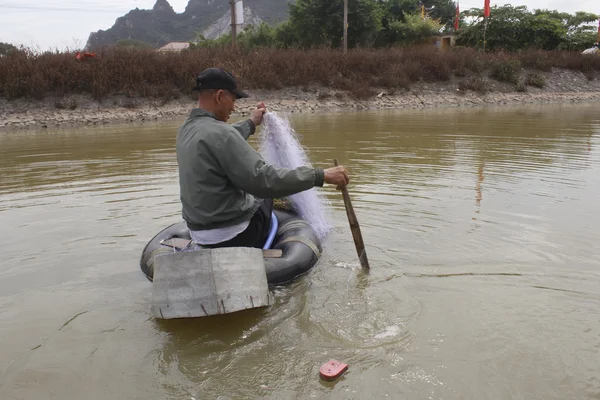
<point x="209" y="198"/>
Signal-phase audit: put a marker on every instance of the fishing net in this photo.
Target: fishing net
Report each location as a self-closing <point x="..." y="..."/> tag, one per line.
<point x="279" y="146"/>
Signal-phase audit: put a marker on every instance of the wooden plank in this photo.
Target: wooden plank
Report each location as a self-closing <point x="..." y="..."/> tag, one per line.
<point x="183" y="285"/>
<point x="240" y="279"/>
<point x="209" y="282"/>
<point x="177" y="243"/>
<point x="181" y="244"/>
<point x="272" y="253"/>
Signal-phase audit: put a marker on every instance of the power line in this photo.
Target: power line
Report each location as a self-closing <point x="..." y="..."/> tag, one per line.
<point x="50" y="8"/>
<point x="80" y="6"/>
<point x="101" y="3"/>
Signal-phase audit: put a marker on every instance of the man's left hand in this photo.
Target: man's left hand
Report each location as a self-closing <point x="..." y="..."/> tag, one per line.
<point x="257" y="115"/>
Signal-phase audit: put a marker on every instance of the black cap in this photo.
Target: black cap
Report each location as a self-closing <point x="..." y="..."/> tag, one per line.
<point x="218" y="78"/>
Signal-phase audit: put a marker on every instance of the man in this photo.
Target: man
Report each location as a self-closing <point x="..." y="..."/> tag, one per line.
<point x="226" y="188"/>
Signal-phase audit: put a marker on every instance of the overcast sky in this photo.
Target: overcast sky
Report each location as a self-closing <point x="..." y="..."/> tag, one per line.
<point x="49" y="24"/>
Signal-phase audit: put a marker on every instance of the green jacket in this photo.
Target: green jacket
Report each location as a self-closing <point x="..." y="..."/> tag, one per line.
<point x="222" y="177"/>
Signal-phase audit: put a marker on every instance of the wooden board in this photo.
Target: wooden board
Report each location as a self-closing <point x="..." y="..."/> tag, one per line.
<point x="272" y="253"/>
<point x="176" y="243"/>
<point x="209" y="282"/>
<point x="181" y="244"/>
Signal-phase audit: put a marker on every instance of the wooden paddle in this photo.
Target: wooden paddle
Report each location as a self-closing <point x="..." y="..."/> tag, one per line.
<point x="354" y="227"/>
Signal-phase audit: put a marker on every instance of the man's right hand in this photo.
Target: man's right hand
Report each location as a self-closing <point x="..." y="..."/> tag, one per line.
<point x="337" y="176"/>
<point x="257" y="115"/>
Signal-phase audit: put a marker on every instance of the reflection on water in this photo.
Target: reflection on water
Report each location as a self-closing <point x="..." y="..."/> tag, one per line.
<point x="481" y="229"/>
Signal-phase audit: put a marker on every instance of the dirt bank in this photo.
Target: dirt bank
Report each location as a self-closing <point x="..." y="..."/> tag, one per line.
<point x="560" y="86"/>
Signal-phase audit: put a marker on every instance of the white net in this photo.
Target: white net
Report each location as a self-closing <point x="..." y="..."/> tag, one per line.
<point x="279" y="146"/>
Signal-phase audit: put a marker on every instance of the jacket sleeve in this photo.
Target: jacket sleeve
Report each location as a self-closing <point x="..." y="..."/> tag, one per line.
<point x="248" y="171"/>
<point x="245" y="128"/>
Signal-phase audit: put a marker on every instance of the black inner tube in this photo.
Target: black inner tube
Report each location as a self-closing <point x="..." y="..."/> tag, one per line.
<point x="298" y="242"/>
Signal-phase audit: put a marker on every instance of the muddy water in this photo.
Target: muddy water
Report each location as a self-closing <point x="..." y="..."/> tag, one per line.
<point x="481" y="227"/>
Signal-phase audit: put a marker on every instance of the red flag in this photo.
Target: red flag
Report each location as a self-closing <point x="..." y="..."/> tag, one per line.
<point x="458" y="17"/>
<point x="486" y="8"/>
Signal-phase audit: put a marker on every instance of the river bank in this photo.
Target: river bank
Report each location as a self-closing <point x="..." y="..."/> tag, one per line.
<point x="559" y="86"/>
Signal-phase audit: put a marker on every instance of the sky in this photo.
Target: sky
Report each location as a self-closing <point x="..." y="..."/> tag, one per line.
<point x="67" y="24"/>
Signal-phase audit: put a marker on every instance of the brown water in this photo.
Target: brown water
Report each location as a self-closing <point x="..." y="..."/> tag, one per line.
<point x="482" y="229"/>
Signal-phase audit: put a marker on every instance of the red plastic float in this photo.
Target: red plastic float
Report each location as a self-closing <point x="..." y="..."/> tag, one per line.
<point x="332" y="370"/>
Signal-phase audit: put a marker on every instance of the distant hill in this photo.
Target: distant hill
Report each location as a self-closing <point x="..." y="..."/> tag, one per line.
<point x="162" y="24"/>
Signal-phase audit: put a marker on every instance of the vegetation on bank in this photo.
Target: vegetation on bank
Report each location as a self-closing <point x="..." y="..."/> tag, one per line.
<point x="386" y="40"/>
<point x="385" y="23"/>
<point x="165" y="76"/>
<point x="514" y="28"/>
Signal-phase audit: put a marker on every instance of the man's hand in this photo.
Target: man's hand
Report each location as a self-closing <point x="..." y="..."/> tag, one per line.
<point x="257" y="115"/>
<point x="337" y="176"/>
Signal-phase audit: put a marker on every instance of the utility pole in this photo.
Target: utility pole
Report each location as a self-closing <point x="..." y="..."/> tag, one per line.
<point x="484" y="31"/>
<point x="233" y="25"/>
<point x="345" y="26"/>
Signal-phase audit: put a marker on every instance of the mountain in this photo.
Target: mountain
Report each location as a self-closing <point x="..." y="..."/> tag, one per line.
<point x="162" y="24"/>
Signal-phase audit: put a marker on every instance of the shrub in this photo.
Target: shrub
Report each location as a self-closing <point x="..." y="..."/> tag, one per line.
<point x="505" y="70"/>
<point x="136" y="72"/>
<point x="536" y="80"/>
<point x="475" y="84"/>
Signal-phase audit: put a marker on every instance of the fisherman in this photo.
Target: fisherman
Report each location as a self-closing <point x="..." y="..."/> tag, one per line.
<point x="226" y="188"/>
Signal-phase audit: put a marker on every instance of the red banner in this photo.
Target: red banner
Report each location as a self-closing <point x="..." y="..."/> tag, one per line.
<point x="486" y="8"/>
<point x="458" y="17"/>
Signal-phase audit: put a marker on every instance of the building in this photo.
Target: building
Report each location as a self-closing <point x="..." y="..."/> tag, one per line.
<point x="444" y="42"/>
<point x="175" y="46"/>
<point x="440" y="42"/>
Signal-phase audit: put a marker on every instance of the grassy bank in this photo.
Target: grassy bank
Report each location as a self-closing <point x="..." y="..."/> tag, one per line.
<point x="168" y="76"/>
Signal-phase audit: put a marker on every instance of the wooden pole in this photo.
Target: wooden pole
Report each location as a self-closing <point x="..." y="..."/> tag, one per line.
<point x="345" y="26"/>
<point x="484" y="32"/>
<point x="233" y="26"/>
<point x="354" y="227"/>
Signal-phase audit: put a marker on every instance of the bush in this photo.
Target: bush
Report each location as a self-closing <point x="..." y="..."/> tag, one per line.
<point x="475" y="84"/>
<point x="521" y="87"/>
<point x="536" y="59"/>
<point x="535" y="80"/>
<point x="506" y="70"/>
<point x="166" y="76"/>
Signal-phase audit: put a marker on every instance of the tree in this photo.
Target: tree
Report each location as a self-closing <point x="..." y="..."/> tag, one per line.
<point x="6" y="49"/>
<point x="581" y="31"/>
<point x="412" y="30"/>
<point x="514" y="28"/>
<point x="397" y="10"/>
<point x="444" y="11"/>
<point x="201" y="42"/>
<point x="258" y="36"/>
<point x="320" y="22"/>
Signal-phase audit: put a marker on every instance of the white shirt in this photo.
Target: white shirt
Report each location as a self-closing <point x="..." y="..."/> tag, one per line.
<point x="218" y="235"/>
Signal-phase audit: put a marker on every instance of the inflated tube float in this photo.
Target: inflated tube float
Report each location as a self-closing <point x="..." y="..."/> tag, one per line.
<point x="291" y="250"/>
